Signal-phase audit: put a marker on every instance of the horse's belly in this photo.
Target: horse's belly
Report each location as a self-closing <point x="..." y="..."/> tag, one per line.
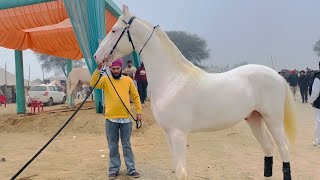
<point x="212" y="124"/>
<point x="223" y="109"/>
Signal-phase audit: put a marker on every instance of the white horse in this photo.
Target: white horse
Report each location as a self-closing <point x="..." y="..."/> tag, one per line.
<point x="76" y="78"/>
<point x="187" y="99"/>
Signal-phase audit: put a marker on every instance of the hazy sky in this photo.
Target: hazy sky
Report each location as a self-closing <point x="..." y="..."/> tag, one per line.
<point x="246" y="30"/>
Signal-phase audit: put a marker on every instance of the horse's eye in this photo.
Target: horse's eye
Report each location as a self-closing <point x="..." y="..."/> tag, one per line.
<point x="113" y="31"/>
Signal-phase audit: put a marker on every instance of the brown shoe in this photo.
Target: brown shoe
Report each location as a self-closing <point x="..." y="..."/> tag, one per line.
<point x="134" y="175"/>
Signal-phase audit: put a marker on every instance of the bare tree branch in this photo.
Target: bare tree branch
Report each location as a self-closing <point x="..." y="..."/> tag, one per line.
<point x="56" y="64"/>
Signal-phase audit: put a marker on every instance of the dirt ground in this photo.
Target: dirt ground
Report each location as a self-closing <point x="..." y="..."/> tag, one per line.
<point x="81" y="152"/>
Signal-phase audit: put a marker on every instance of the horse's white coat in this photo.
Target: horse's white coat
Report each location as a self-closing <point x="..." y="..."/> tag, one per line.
<point x="187" y="99"/>
<point x="76" y="78"/>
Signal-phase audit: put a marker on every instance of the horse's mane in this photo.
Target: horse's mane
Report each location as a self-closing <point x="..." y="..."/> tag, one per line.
<point x="176" y="54"/>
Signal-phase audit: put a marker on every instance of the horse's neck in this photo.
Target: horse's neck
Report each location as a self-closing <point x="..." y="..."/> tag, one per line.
<point x="166" y="67"/>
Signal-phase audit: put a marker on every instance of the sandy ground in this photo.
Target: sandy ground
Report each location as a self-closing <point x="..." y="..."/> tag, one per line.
<point x="80" y="151"/>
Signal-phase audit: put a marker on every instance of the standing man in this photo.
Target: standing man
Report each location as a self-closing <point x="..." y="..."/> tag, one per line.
<point x="130" y="70"/>
<point x="142" y="82"/>
<point x="303" y="85"/>
<point x="315" y="101"/>
<point x="293" y="82"/>
<point x="118" y="122"/>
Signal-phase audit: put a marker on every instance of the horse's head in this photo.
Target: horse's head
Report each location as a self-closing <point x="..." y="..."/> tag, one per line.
<point x="116" y="44"/>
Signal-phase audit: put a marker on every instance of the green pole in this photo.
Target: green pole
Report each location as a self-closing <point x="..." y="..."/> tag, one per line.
<point x="91" y="14"/>
<point x="98" y="96"/>
<point x="20" y="94"/>
<point x="136" y="59"/>
<point x="69" y="69"/>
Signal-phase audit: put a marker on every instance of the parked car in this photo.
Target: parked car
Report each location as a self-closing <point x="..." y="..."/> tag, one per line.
<point x="48" y="94"/>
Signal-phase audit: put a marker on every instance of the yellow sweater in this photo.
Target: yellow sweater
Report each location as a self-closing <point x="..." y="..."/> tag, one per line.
<point x="125" y="87"/>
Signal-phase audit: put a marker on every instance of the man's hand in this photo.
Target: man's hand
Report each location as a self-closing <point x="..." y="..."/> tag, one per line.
<point x="100" y="65"/>
<point x="139" y="117"/>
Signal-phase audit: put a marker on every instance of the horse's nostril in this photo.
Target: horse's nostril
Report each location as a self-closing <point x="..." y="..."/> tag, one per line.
<point x="95" y="57"/>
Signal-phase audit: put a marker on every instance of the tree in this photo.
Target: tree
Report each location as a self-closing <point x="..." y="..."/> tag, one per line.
<point x="193" y="48"/>
<point x="316" y="48"/>
<point x="56" y="64"/>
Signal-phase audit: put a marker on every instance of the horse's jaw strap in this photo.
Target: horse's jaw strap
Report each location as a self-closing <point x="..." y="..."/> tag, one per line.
<point x="115" y="45"/>
<point x="124" y="30"/>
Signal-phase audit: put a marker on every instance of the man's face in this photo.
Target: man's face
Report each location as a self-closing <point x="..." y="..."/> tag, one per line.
<point x="116" y="72"/>
<point x="129" y="64"/>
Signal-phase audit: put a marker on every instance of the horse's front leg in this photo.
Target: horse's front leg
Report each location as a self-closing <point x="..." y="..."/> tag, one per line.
<point x="179" y="147"/>
<point x="169" y="141"/>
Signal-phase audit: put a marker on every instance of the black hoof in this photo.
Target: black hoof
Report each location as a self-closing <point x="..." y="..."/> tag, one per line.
<point x="286" y="171"/>
<point x="268" y="161"/>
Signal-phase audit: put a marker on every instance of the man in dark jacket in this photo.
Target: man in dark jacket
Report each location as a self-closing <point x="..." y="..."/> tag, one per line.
<point x="309" y="75"/>
<point x="293" y="82"/>
<point x="303" y="84"/>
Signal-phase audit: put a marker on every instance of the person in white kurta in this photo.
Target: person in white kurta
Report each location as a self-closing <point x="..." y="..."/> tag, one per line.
<point x="314" y="100"/>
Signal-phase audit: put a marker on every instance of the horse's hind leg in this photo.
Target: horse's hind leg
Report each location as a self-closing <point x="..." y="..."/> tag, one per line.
<point x="259" y="130"/>
<point x="275" y="126"/>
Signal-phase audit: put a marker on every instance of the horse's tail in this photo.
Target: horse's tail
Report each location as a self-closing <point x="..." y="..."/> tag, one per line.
<point x="289" y="115"/>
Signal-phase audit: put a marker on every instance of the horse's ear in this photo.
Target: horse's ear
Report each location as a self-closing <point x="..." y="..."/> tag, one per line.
<point x="125" y="10"/>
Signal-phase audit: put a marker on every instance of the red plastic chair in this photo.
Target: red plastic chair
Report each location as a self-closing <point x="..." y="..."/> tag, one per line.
<point x="3" y="100"/>
<point x="36" y="103"/>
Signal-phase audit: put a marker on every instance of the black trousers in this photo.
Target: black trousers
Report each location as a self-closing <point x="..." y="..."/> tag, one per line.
<point x="142" y="89"/>
<point x="304" y="94"/>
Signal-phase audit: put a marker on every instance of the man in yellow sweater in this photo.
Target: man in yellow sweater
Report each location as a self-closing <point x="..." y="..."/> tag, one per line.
<point x="118" y="122"/>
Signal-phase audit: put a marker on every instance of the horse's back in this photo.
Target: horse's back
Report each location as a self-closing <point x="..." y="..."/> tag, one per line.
<point x="265" y="84"/>
<point x="257" y="76"/>
<point x="81" y="74"/>
<point x="254" y="69"/>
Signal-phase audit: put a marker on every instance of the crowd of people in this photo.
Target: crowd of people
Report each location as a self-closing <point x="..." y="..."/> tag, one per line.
<point x="299" y="79"/>
<point x="308" y="83"/>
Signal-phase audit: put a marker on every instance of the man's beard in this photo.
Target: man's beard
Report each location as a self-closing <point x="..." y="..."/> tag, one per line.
<point x="116" y="76"/>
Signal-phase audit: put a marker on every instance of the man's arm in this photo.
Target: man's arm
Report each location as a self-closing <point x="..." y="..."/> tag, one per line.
<point x="94" y="79"/>
<point x="135" y="97"/>
<point x="315" y="90"/>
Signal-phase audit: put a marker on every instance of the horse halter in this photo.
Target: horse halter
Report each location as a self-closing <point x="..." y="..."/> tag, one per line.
<point x="129" y="35"/>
